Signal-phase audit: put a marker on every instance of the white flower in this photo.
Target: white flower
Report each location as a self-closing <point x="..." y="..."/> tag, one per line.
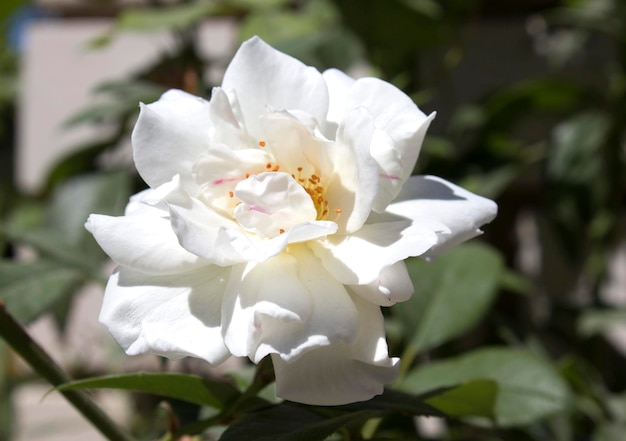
<point x="276" y="223"/>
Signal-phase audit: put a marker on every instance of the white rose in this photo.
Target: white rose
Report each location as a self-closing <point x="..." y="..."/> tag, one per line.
<point x="276" y="223"/>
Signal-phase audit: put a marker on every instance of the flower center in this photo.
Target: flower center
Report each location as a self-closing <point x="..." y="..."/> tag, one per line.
<point x="312" y="184"/>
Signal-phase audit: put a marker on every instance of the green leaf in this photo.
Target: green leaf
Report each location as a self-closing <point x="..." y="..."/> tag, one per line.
<point x="451" y="294"/>
<point x="609" y="432"/>
<point x="291" y="422"/>
<point x="475" y="398"/>
<point x="529" y="388"/>
<point x="74" y="200"/>
<point x="295" y="422"/>
<point x="397" y="401"/>
<point x="7" y="7"/>
<point x="575" y="157"/>
<point x="595" y="321"/>
<point x="31" y="288"/>
<point x="62" y="237"/>
<point x="166" y="18"/>
<point x="190" y="388"/>
<point x="123" y="100"/>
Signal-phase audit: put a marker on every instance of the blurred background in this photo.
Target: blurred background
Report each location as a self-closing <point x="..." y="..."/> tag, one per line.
<point x="530" y="98"/>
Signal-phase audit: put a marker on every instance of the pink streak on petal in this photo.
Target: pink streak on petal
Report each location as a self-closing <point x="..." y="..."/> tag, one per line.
<point x="391" y="177"/>
<point x="259" y="209"/>
<point x="221" y="181"/>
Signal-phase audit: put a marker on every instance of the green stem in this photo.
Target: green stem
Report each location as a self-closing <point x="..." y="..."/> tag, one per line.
<point x="13" y="333"/>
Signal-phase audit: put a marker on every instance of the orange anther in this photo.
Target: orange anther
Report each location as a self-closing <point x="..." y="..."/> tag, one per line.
<point x="338" y="210"/>
<point x="268" y="165"/>
<point x="247" y="175"/>
<point x="231" y="194"/>
<point x="261" y="143"/>
<point x="281" y="231"/>
<point x="276" y="167"/>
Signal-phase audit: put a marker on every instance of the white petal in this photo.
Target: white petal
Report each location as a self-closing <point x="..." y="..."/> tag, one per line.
<point x="205" y="233"/>
<point x="271" y="288"/>
<point x="354" y="183"/>
<point x="272" y="203"/>
<point x="260" y="76"/>
<point x="226" y="127"/>
<point x="340" y="373"/>
<point x="393" y="285"/>
<point x="218" y="171"/>
<point x="338" y="84"/>
<point x="172" y="316"/>
<point x="295" y="145"/>
<point x="425" y="199"/>
<point x="220" y="240"/>
<point x="287" y="305"/>
<point x="169" y="135"/>
<point x="307" y="231"/>
<point x="137" y="205"/>
<point x="359" y="258"/>
<point x="401" y="127"/>
<point x="145" y="243"/>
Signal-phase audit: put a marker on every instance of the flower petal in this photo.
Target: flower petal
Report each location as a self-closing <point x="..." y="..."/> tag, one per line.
<point x="219" y="240"/>
<point x="295" y="145"/>
<point x="218" y="171"/>
<point x="340" y="373"/>
<point x="338" y="84"/>
<point x="272" y="203"/>
<point x="172" y="316"/>
<point x="260" y="76"/>
<point x="145" y="243"/>
<point x="359" y="258"/>
<point x="287" y="305"/>
<point x="169" y="135"/>
<point x="226" y="127"/>
<point x="425" y="199"/>
<point x="393" y="285"/>
<point x="354" y="183"/>
<point x="400" y="130"/>
<point x="205" y="233"/>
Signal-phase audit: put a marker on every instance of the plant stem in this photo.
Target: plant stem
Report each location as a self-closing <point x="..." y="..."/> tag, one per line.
<point x="15" y="335"/>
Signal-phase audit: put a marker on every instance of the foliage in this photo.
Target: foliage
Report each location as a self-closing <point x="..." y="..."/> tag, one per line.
<point x="507" y="337"/>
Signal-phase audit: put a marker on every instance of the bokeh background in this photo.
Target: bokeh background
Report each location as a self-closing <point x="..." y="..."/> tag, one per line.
<point x="530" y="98"/>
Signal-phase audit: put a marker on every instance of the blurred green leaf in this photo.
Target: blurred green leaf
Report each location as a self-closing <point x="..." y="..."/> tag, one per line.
<point x="8" y="6"/>
<point x="428" y="8"/>
<point x="515" y="282"/>
<point x="277" y="26"/>
<point x="609" y="432"/>
<point x="474" y="398"/>
<point x="451" y="295"/>
<point x="529" y="388"/>
<point x="125" y="97"/>
<point x="31" y="288"/>
<point x="173" y="17"/>
<point x="594" y="15"/>
<point x="74" y="200"/>
<point x="575" y="158"/>
<point x="62" y="236"/>
<point x="189" y="388"/>
<point x="596" y="321"/>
